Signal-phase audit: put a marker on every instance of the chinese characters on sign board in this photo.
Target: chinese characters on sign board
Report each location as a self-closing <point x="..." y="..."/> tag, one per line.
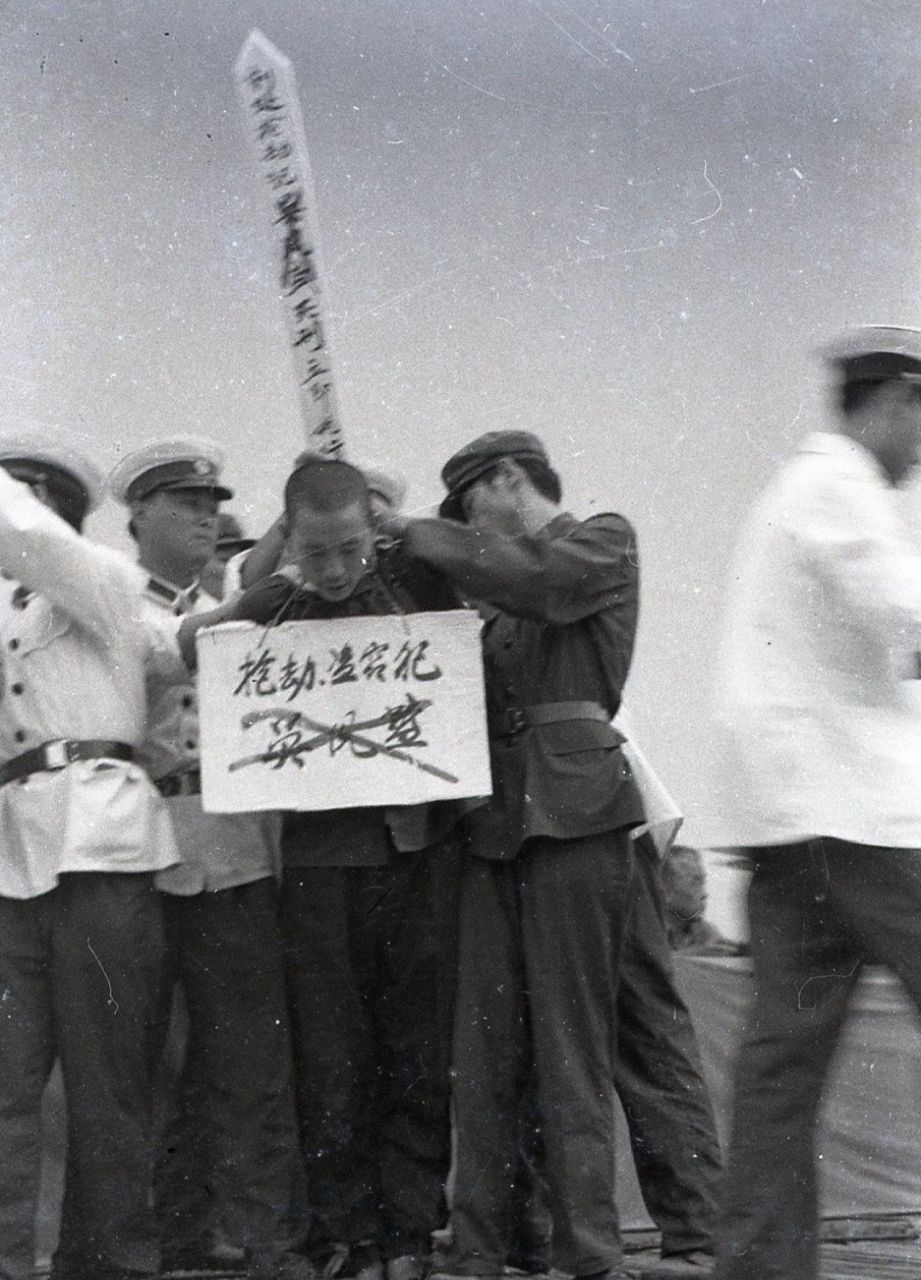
<point x="342" y="713"/>
<point x="273" y="119"/>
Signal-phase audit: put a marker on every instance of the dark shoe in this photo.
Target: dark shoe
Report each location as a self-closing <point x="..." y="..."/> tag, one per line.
<point x="460" y="1275"/>
<point x="617" y="1274"/>
<point x="102" y="1271"/>
<point x="72" y="1270"/>
<point x="691" y="1265"/>
<point x="342" y="1261"/>
<point x="531" y="1264"/>
<point x="365" y="1262"/>
<point x="211" y="1259"/>
<point x="290" y="1266"/>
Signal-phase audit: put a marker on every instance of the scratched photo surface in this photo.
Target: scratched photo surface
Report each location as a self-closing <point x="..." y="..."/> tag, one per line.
<point x="624" y="225"/>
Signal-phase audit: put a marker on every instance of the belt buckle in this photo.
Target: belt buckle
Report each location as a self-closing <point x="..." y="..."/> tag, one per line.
<point x="58" y="754"/>
<point x="516" y="720"/>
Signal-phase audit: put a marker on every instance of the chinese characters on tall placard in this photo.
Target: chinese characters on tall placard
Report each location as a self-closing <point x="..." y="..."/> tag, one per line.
<point x="265" y="79"/>
<point x="342" y="713"/>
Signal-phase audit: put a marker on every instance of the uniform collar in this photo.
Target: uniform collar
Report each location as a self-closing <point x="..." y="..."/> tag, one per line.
<point x="180" y="598"/>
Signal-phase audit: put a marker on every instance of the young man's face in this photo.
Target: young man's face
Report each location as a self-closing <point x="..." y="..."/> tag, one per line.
<point x="179" y="526"/>
<point x="334" y="549"/>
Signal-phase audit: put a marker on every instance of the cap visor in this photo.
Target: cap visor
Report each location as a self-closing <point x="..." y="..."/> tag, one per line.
<point x="235" y="545"/>
<point x="220" y="491"/>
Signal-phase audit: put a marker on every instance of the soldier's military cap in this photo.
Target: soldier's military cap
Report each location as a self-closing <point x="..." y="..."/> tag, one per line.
<point x="38" y="454"/>
<point x="877" y="353"/>
<point x="187" y="462"/>
<point x="480" y="456"/>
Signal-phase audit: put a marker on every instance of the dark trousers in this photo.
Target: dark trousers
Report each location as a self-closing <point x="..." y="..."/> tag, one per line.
<point x="79" y="975"/>
<point x="372" y="967"/>
<point x="658" y="1076"/>
<point x="541" y="940"/>
<point x="818" y="911"/>
<point x="229" y="1150"/>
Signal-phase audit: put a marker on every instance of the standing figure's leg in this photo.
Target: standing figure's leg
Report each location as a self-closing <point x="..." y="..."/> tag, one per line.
<point x="805" y="967"/>
<point x="26" y="1057"/>
<point x="238" y="1068"/>
<point x="414" y="1015"/>
<point x="576" y="900"/>
<point x="107" y="979"/>
<point x="490" y="1057"/>
<point x="659" y="1078"/>
<point x="184" y="1191"/>
<point x="530" y="1246"/>
<point x="331" y="949"/>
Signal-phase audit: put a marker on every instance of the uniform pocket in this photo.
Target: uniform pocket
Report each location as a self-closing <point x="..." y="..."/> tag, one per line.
<point x="566" y="737"/>
<point x="111" y="812"/>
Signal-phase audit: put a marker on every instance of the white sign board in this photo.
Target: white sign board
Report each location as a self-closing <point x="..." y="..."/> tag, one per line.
<point x="268" y="94"/>
<point x="342" y="713"/>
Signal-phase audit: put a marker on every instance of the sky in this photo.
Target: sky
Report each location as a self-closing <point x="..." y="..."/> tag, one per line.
<point x="627" y="225"/>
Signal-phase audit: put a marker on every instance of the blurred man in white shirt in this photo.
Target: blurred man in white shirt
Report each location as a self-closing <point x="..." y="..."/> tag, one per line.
<point x="824" y="754"/>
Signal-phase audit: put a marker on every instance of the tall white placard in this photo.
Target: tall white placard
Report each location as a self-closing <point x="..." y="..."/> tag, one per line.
<point x="268" y="93"/>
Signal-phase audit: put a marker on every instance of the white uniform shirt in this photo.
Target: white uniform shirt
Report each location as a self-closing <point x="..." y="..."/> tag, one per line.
<point x="73" y="661"/>
<point x="821" y="737"/>
<point x="219" y="851"/>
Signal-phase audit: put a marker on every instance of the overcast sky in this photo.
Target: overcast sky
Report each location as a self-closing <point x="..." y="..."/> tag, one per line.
<point x="624" y="224"/>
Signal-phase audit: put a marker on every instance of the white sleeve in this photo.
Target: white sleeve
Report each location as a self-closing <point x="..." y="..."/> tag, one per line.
<point x="851" y="541"/>
<point x="95" y="586"/>
<point x="164" y="664"/>
<point x="233" y="575"/>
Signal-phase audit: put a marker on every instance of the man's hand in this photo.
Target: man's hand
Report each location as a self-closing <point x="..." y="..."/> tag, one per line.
<point x="192" y="624"/>
<point x="264" y="557"/>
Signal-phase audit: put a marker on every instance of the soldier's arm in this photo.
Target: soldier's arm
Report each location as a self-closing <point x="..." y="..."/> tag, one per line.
<point x="559" y="580"/>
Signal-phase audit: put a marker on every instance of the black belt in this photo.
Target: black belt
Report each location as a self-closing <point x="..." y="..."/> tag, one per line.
<point x="507" y="723"/>
<point x="60" y="753"/>
<point x="180" y="784"/>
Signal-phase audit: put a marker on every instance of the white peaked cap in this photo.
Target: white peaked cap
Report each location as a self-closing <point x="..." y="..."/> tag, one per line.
<point x="184" y="462"/>
<point x="56" y="448"/>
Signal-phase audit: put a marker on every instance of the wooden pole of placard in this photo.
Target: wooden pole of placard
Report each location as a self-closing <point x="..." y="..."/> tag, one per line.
<point x="275" y="125"/>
